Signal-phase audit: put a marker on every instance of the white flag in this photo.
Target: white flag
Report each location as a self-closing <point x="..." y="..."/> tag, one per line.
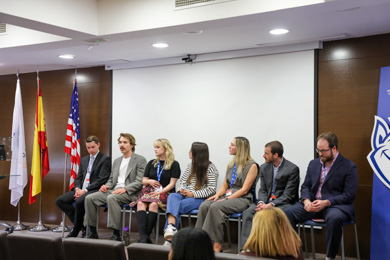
<point x="18" y="147"/>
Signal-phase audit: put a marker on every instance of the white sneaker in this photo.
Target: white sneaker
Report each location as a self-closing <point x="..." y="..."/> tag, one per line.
<point x="170" y="231"/>
<point x="167" y="243"/>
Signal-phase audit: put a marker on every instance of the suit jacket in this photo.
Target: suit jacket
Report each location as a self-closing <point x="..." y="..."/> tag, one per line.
<point x="286" y="183"/>
<point x="339" y="187"/>
<point x="134" y="174"/>
<point x="100" y="172"/>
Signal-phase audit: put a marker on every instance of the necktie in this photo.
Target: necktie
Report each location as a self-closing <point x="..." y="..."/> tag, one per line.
<point x="322" y="179"/>
<point x="86" y="180"/>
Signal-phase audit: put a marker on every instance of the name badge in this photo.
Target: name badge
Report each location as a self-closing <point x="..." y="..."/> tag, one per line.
<point x="229" y="192"/>
<point x="273" y="197"/>
<point x="158" y="189"/>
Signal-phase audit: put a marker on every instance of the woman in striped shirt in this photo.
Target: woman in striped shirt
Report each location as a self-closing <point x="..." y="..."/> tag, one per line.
<point x="197" y="183"/>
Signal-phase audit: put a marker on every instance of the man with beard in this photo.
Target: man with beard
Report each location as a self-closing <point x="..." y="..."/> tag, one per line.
<point x="328" y="192"/>
<point x="122" y="187"/>
<point x="279" y="183"/>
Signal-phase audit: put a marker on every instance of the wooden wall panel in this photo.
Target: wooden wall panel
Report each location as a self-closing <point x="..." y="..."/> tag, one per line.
<point x="94" y="86"/>
<point x="348" y="86"/>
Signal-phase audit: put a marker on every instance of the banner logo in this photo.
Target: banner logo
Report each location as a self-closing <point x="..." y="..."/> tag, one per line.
<point x="379" y="157"/>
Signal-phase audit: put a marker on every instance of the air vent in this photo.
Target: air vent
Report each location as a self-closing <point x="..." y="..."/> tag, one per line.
<point x="3" y="28"/>
<point x="179" y="4"/>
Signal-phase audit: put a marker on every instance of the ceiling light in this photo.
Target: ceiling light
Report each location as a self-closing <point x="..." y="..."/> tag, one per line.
<point x="194" y="32"/>
<point x="160" y="45"/>
<point x="278" y="31"/>
<point x="66" y="56"/>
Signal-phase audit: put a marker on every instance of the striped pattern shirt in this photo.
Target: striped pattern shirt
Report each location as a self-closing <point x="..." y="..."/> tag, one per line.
<point x="208" y="190"/>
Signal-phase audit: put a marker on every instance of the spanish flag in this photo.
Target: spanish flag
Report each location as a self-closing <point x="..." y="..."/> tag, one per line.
<point x="40" y="145"/>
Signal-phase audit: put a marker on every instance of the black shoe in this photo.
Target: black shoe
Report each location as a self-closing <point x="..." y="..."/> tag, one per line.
<point x="83" y="232"/>
<point x="116" y="238"/>
<point x="93" y="236"/>
<point x="72" y="233"/>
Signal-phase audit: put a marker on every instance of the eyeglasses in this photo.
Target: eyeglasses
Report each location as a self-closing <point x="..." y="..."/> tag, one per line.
<point x="322" y="151"/>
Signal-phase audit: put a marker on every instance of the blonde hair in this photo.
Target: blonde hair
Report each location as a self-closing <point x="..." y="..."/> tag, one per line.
<point x="169" y="156"/>
<point x="272" y="235"/>
<point x="243" y="154"/>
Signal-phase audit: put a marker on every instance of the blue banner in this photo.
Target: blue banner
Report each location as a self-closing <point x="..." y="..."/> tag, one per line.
<point x="379" y="159"/>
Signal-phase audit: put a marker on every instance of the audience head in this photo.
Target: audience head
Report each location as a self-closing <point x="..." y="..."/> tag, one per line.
<point x="241" y="149"/>
<point x="191" y="244"/>
<point x="272" y="235"/>
<point x="200" y="162"/>
<point x="163" y="147"/>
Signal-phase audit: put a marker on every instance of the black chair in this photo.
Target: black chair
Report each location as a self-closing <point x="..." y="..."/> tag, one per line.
<point x="25" y="246"/>
<point x="4" y="251"/>
<point x="92" y="249"/>
<point x="313" y="224"/>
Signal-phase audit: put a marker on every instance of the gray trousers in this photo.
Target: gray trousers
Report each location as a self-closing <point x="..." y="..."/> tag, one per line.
<point x="247" y="217"/>
<point x="114" y="202"/>
<point x="212" y="215"/>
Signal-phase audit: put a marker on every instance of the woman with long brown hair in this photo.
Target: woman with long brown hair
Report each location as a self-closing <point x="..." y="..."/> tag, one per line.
<point x="197" y="183"/>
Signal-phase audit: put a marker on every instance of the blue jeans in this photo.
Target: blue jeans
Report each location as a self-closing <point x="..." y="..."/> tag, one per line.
<point x="178" y="204"/>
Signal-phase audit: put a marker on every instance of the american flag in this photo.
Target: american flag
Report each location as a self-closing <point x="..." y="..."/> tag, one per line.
<point x="72" y="143"/>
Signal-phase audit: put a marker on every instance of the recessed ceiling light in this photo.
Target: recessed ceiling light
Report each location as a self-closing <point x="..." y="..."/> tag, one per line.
<point x="278" y="31"/>
<point x="194" y="32"/>
<point x="160" y="45"/>
<point x="66" y="56"/>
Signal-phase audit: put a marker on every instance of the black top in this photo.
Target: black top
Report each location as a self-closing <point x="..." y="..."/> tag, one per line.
<point x="151" y="172"/>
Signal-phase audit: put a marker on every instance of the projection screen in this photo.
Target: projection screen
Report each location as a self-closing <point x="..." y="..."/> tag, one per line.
<point x="262" y="98"/>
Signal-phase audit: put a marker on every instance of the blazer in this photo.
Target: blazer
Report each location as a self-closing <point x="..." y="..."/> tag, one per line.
<point x="134" y="174"/>
<point x="286" y="183"/>
<point x="339" y="186"/>
<point x="100" y="172"/>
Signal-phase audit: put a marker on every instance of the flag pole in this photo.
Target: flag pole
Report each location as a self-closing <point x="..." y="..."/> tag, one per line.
<point x="40" y="226"/>
<point x="19" y="225"/>
<point x="62" y="227"/>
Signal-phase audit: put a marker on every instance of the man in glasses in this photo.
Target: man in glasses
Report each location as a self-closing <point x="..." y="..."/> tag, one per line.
<point x="328" y="192"/>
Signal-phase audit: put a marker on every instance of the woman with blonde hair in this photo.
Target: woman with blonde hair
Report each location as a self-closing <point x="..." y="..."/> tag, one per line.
<point x="159" y="181"/>
<point x="273" y="236"/>
<point x="234" y="196"/>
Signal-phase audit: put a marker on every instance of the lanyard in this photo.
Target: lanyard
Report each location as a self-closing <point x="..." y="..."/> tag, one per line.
<point x="234" y="175"/>
<point x="159" y="172"/>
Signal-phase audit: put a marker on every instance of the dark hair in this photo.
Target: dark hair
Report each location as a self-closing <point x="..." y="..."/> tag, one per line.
<point x="330" y="137"/>
<point x="192" y="244"/>
<point x="276" y="147"/>
<point x="129" y="137"/>
<point x="92" y="138"/>
<point x="200" y="164"/>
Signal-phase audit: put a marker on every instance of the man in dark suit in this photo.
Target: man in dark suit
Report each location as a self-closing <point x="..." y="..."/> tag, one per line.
<point x="123" y="186"/>
<point x="94" y="170"/>
<point x="279" y="182"/>
<point x="328" y="192"/>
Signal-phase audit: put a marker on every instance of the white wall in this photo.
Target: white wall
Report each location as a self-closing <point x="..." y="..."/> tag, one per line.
<point x="263" y="98"/>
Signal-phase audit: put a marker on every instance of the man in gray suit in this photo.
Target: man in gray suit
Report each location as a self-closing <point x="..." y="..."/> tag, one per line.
<point x="279" y="182"/>
<point x="122" y="187"/>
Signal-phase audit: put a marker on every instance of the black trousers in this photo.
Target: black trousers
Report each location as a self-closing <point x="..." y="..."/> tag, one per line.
<point x="75" y="213"/>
